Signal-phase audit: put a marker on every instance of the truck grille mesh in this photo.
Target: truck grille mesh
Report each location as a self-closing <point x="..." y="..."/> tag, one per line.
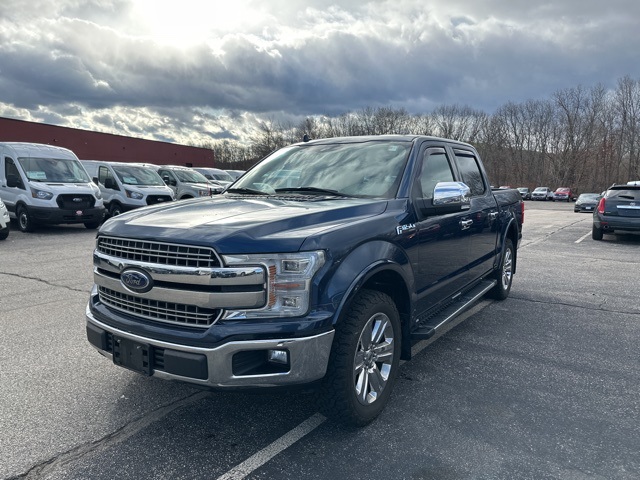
<point x="161" y="311"/>
<point x="158" y="252"/>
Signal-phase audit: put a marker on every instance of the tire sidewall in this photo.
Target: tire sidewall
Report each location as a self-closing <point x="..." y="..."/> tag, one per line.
<point x="25" y="224"/>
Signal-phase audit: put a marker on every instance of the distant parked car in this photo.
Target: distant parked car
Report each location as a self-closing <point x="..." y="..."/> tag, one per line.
<point x="563" y="194"/>
<point x="542" y="193"/>
<point x="618" y="209"/>
<point x="524" y="191"/>
<point x="587" y="202"/>
<point x="4" y="221"/>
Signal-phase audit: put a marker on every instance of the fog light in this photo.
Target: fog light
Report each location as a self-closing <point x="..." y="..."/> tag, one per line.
<point x="278" y="356"/>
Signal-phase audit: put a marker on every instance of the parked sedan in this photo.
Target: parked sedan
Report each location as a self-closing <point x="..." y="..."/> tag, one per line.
<point x="618" y="209"/>
<point x="587" y="202"/>
<point x="525" y="192"/>
<point x="563" y="194"/>
<point x="542" y="193"/>
<point x="4" y="221"/>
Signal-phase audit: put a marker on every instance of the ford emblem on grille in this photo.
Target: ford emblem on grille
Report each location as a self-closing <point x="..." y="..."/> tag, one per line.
<point x="77" y="199"/>
<point x="137" y="281"/>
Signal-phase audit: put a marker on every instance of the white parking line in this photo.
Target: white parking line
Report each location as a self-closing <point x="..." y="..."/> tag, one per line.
<point x="263" y="456"/>
<point x="582" y="237"/>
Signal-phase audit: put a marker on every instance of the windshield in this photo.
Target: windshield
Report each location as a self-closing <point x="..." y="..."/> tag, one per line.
<point x="63" y="170"/>
<point x="366" y="169"/>
<point x="190" y="176"/>
<point x="588" y="196"/>
<point x="130" y="175"/>
<point x="225" y="177"/>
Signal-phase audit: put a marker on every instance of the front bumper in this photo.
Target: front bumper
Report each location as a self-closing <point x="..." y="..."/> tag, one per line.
<point x="56" y="216"/>
<point x="236" y="364"/>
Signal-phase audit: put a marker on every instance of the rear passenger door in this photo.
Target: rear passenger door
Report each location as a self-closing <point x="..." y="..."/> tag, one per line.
<point x="481" y="218"/>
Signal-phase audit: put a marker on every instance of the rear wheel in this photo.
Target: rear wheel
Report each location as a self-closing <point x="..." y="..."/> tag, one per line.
<point x="504" y="275"/>
<point x="596" y="233"/>
<point x="25" y="224"/>
<point x="4" y="233"/>
<point x="364" y="360"/>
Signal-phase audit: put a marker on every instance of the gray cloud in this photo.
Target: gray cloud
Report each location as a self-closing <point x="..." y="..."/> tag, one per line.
<point x="94" y="63"/>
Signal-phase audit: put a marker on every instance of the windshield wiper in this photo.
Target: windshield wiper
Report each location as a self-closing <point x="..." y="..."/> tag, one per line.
<point x="313" y="190"/>
<point x="252" y="191"/>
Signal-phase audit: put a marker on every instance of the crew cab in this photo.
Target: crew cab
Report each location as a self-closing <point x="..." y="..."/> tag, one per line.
<point x="323" y="265"/>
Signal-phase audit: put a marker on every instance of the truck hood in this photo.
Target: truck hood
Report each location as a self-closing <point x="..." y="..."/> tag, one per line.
<point x="59" y="187"/>
<point x="236" y="224"/>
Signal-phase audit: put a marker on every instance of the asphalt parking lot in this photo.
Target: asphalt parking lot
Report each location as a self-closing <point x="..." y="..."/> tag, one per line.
<point x="543" y="385"/>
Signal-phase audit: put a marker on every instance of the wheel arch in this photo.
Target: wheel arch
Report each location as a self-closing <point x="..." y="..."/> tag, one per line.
<point x="387" y="275"/>
<point x="511" y="233"/>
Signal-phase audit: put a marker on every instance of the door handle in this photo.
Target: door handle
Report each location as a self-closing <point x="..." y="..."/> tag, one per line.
<point x="465" y="224"/>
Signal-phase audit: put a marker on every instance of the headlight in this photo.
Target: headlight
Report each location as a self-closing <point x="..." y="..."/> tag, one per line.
<point x="41" y="194"/>
<point x="288" y="282"/>
<point x="134" y="195"/>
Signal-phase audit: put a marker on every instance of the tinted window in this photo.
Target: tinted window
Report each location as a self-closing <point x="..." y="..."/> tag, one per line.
<point x="470" y="172"/>
<point x="435" y="168"/>
<point x="624" y="194"/>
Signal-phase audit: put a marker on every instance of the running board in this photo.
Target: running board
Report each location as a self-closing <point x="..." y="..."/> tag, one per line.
<point x="460" y="304"/>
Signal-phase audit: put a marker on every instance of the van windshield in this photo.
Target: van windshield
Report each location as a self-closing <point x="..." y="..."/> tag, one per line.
<point x="130" y="175"/>
<point x="62" y="170"/>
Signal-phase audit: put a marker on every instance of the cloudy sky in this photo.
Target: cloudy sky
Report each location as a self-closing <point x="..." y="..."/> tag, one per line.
<point x="194" y="71"/>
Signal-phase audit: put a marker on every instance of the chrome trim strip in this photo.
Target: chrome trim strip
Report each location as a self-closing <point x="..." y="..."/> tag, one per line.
<point x="224" y="276"/>
<point x="222" y="300"/>
<point x="309" y="358"/>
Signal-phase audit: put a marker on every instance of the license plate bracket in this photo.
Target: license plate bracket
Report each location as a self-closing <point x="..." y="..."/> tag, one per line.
<point x="133" y="355"/>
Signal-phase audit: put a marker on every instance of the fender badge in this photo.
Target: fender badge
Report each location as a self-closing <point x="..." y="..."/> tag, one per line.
<point x="400" y="229"/>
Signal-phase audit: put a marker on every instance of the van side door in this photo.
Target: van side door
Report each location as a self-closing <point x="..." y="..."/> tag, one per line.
<point x="12" y="184"/>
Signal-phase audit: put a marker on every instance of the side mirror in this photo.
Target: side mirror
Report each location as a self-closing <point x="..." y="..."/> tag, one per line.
<point x="96" y="181"/>
<point x="14" y="181"/>
<point x="448" y="197"/>
<point x="110" y="183"/>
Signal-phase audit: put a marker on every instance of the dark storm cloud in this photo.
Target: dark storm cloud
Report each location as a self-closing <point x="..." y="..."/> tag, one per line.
<point x="305" y="59"/>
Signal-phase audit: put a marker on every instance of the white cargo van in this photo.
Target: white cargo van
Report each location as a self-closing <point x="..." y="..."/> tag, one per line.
<point x="186" y="182"/>
<point x="4" y="221"/>
<point x="42" y="184"/>
<point x="216" y="175"/>
<point x="126" y="186"/>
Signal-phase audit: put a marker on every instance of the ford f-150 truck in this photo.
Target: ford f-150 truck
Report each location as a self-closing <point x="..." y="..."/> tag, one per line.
<point x="322" y="265"/>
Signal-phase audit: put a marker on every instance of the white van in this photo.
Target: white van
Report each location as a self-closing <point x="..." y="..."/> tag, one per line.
<point x="126" y="186"/>
<point x="216" y="175"/>
<point x="4" y="221"/>
<point x="186" y="182"/>
<point x="42" y="184"/>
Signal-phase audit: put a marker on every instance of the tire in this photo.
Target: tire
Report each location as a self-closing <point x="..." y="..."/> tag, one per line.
<point x="4" y="233"/>
<point x="186" y="197"/>
<point x="596" y="233"/>
<point x="115" y="209"/>
<point x="504" y="275"/>
<point x="362" y="370"/>
<point x="25" y="224"/>
<point x="91" y="225"/>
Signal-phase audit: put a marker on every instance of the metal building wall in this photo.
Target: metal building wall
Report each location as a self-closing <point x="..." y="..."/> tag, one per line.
<point x="88" y="145"/>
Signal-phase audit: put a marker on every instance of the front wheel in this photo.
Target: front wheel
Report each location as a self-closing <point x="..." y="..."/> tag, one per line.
<point x="25" y="224"/>
<point x="504" y="274"/>
<point x="115" y="209"/>
<point x="364" y="361"/>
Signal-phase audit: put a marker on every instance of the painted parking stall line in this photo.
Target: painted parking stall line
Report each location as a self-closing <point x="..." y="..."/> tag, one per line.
<point x="582" y="237"/>
<point x="263" y="456"/>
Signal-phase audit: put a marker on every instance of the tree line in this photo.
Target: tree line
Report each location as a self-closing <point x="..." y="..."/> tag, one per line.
<point x="584" y="138"/>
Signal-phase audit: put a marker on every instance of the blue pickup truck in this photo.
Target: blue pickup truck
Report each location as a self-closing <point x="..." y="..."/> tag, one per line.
<point x="322" y="265"/>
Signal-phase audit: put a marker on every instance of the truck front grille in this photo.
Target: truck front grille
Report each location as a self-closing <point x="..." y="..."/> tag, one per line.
<point x="153" y="199"/>
<point x="158" y="252"/>
<point x="167" y="312"/>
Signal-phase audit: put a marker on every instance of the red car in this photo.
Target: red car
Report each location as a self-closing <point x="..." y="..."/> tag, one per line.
<point x="563" y="194"/>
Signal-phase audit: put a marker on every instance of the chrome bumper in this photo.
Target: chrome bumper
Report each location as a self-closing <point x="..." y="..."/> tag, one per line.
<point x="308" y="359"/>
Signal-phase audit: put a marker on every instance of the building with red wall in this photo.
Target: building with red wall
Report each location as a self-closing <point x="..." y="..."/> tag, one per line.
<point x="88" y="145"/>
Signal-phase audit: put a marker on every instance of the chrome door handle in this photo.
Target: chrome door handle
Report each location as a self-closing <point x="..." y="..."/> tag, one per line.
<point x="465" y="224"/>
